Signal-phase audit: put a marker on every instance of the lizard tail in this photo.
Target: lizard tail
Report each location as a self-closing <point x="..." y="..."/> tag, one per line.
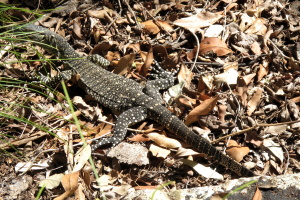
<point x="202" y="145"/>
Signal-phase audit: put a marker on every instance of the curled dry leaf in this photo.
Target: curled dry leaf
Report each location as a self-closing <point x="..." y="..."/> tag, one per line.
<point x="106" y="127"/>
<point x="257" y="195"/>
<point x="203" y="109"/>
<point x="148" y="59"/>
<point x="77" y="28"/>
<point x="164" y="141"/>
<point x="241" y="91"/>
<point x="263" y="70"/>
<point x="51" y="182"/>
<point x="214" y="44"/>
<point x="275" y="130"/>
<point x="160" y="50"/>
<point x="121" y="190"/>
<point x="185" y="76"/>
<point x="274" y="148"/>
<point x="229" y="77"/>
<point x="246" y="21"/>
<point x="104" y="46"/>
<point x="100" y="14"/>
<point x="182" y="152"/>
<point x="205" y="82"/>
<point x="200" y="20"/>
<point x="185" y="101"/>
<point x="139" y="138"/>
<point x="202" y="170"/>
<point x="214" y="30"/>
<point x="296" y="99"/>
<point x="70" y="184"/>
<point x="258" y="27"/>
<point x="158" y="151"/>
<point x="254" y="101"/>
<point x="294" y="109"/>
<point x="255" y="47"/>
<point x="248" y="78"/>
<point x="124" y="64"/>
<point x="236" y="152"/>
<point x="275" y="165"/>
<point x="82" y="157"/>
<point x="152" y="28"/>
<point x="222" y="112"/>
<point x="254" y="138"/>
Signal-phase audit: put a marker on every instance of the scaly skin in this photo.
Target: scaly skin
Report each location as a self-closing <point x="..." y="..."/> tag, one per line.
<point x="118" y="93"/>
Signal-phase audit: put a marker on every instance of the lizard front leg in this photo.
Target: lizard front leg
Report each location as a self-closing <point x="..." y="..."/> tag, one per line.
<point x="53" y="81"/>
<point x="163" y="80"/>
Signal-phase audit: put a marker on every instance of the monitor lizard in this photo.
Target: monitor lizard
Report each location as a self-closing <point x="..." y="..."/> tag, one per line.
<point x="134" y="101"/>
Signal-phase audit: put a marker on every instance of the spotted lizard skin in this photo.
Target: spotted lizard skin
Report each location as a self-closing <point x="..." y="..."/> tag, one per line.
<point x="136" y="102"/>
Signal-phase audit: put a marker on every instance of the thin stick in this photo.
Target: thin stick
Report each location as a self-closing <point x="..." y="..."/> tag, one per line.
<point x="251" y="128"/>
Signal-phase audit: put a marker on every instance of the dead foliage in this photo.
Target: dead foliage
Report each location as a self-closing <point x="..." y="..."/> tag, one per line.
<point x="238" y="84"/>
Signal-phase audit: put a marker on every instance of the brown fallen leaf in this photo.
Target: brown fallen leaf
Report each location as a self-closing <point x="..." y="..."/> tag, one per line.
<point x="164" y="141"/>
<point x="107" y="128"/>
<point x="100" y="14"/>
<point x="77" y="28"/>
<point x="203" y="109"/>
<point x="255" y="47"/>
<point x="152" y="27"/>
<point x="185" y="75"/>
<point x="70" y="184"/>
<point x="222" y="112"/>
<point x="295" y="99"/>
<point x="103" y="47"/>
<point x="257" y="195"/>
<point x="263" y="71"/>
<point x="147" y="62"/>
<point x="124" y="64"/>
<point x="214" y="44"/>
<point x="254" y="101"/>
<point x="258" y="27"/>
<point x="139" y="138"/>
<point x="253" y="138"/>
<point x="241" y="91"/>
<point x="236" y="152"/>
<point x="248" y="78"/>
<point x="185" y="101"/>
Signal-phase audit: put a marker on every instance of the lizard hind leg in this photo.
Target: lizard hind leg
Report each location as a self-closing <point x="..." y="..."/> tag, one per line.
<point x="127" y="118"/>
